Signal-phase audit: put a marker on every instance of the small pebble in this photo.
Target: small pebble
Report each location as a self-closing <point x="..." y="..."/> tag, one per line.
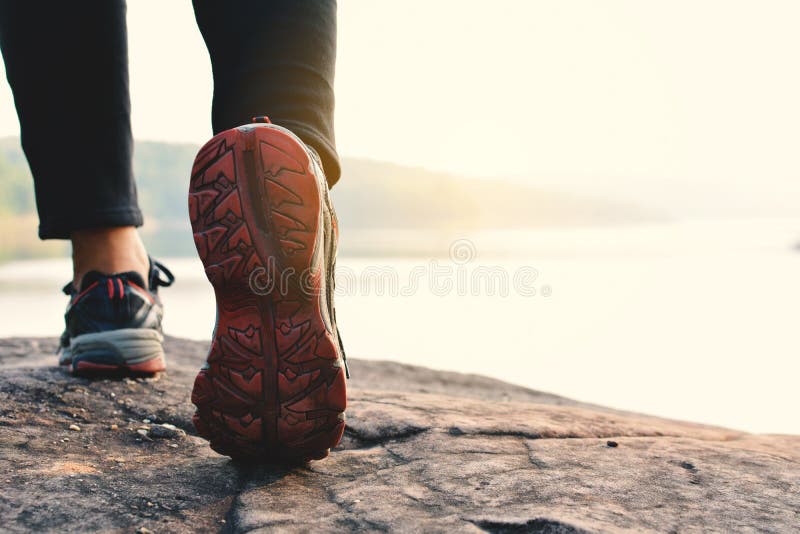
<point x="142" y="432"/>
<point x="74" y="427"/>
<point x="612" y="443"/>
<point x="146" y="421"/>
<point x="166" y="431"/>
<point x="173" y="445"/>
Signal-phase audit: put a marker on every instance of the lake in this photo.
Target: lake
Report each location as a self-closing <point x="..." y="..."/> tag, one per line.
<point x="694" y="320"/>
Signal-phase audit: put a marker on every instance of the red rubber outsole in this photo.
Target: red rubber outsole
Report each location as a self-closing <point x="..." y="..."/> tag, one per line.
<point x="273" y="388"/>
<point x="148" y="368"/>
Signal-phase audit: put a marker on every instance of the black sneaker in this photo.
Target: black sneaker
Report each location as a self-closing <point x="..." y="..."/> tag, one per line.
<point x="113" y="324"/>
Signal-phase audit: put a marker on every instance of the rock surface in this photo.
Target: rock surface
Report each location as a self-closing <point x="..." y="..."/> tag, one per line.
<point x="424" y="451"/>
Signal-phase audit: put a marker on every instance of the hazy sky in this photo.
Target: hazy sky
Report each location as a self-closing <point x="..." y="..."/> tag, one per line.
<point x="680" y="95"/>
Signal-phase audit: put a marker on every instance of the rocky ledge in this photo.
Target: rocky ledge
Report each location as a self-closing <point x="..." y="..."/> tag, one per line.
<point x="423" y="451"/>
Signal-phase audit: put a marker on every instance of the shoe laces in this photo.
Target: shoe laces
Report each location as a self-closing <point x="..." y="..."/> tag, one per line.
<point x="160" y="276"/>
<point x="156" y="280"/>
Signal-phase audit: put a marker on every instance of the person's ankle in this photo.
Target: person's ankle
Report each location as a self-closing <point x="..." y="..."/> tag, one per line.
<point x="109" y="251"/>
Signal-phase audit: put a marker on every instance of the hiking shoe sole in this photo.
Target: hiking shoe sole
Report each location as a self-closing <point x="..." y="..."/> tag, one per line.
<point x="273" y="388"/>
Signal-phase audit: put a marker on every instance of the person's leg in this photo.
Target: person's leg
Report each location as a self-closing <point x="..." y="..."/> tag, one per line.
<point x="67" y="66"/>
<point x="274" y="58"/>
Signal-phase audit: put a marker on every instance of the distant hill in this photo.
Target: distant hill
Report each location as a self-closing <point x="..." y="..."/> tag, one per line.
<point x="376" y="202"/>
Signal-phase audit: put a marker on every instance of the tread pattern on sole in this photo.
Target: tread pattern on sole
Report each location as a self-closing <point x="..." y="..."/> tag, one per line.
<point x="273" y="388"/>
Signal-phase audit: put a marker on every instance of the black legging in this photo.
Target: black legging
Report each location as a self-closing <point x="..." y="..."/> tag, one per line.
<point x="67" y="64"/>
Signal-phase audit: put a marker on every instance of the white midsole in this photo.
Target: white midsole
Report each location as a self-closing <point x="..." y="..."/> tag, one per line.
<point x="131" y="345"/>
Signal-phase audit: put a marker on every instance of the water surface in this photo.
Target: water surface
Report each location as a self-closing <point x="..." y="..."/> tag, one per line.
<point x="695" y="321"/>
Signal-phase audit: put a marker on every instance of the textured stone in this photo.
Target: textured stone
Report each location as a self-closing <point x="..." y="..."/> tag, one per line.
<point x="423" y="451"/>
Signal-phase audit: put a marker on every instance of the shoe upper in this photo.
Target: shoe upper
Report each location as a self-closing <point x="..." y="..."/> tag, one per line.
<point x="113" y="301"/>
<point x="330" y="240"/>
